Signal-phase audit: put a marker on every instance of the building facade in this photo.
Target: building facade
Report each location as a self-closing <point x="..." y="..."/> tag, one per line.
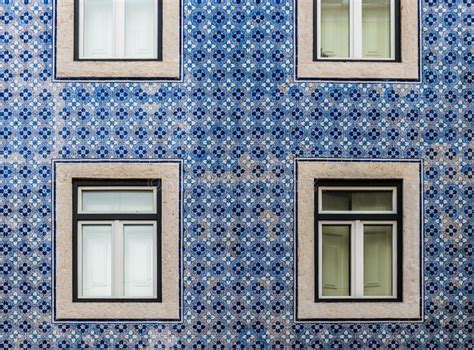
<point x="230" y="121"/>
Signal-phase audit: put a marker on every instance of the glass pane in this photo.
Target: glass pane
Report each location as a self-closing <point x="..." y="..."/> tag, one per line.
<point x="126" y="201"/>
<point x="139" y="260"/>
<point x="335" y="28"/>
<point x="336" y="260"/>
<point x="140" y="29"/>
<point x="98" y="29"/>
<point x="336" y="200"/>
<point x="356" y="200"/>
<point x="378" y="260"/>
<point x="96" y="260"/>
<point x="372" y="200"/>
<point x="376" y="29"/>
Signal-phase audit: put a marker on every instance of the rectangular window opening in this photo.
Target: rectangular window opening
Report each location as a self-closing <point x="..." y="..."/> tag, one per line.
<point x="358" y="240"/>
<point x="118" y="30"/>
<point x="117" y="240"/>
<point x="357" y="30"/>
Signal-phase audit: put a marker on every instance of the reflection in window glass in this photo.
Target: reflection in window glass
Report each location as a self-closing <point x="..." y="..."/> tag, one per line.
<point x="335" y="35"/>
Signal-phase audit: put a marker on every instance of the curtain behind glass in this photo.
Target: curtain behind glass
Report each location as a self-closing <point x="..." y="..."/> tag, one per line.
<point x="98" y="29"/>
<point x="376" y="29"/>
<point x="335" y="35"/>
<point x="140" y="29"/>
<point x="336" y="260"/>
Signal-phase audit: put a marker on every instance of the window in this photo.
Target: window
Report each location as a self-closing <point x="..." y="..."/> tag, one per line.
<point x="357" y="30"/>
<point x="117" y="240"/>
<point x="336" y="38"/>
<point x="358" y="242"/>
<point x="109" y="40"/>
<point x="119" y="29"/>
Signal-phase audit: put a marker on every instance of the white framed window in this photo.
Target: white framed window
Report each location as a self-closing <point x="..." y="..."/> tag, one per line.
<point x="118" y="29"/>
<point x="357" y="259"/>
<point x="117" y="242"/>
<point x="356" y="225"/>
<point x="335" y="39"/>
<point x="118" y="40"/>
<point x="356" y="29"/>
<point x="117" y="259"/>
<point x="358" y="240"/>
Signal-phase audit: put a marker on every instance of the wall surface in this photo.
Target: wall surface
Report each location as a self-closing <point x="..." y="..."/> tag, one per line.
<point x="238" y="120"/>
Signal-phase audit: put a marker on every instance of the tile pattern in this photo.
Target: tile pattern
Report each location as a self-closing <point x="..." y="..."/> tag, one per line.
<point x="238" y="121"/>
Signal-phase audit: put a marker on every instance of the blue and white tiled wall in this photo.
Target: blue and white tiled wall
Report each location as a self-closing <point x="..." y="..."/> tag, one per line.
<point x="238" y="120"/>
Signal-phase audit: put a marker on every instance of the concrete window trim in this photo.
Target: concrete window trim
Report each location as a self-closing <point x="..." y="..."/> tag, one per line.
<point x="411" y="307"/>
<point x="408" y="69"/>
<point x="69" y="68"/>
<point x="170" y="307"/>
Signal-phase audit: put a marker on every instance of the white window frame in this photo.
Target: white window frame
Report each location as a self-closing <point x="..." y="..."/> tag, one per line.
<point x="351" y="188"/>
<point x="116" y="188"/>
<point x="357" y="258"/>
<point x="117" y="257"/>
<point x="355" y="34"/>
<point x="118" y="33"/>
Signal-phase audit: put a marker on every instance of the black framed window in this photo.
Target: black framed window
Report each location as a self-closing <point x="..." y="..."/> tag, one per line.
<point x="356" y="30"/>
<point x="118" y="30"/>
<point x="117" y="240"/>
<point x="358" y="240"/>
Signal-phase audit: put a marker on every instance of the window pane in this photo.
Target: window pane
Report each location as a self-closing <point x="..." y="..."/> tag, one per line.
<point x="335" y="28"/>
<point x="372" y="200"/>
<point x="336" y="260"/>
<point x="356" y="200"/>
<point x="378" y="260"/>
<point x="140" y="29"/>
<point x="336" y="200"/>
<point x="96" y="260"/>
<point x="138" y="260"/>
<point x="376" y="29"/>
<point x="98" y="29"/>
<point x="129" y="201"/>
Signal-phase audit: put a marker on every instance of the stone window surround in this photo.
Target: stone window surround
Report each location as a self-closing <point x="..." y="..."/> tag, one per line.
<point x="407" y="70"/>
<point x="306" y="309"/>
<point x="170" y="308"/>
<point x="167" y="69"/>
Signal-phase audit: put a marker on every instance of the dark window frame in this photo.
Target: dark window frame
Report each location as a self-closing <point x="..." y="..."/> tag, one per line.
<point x="398" y="53"/>
<point x="398" y="217"/>
<point x="159" y="48"/>
<point x="116" y="216"/>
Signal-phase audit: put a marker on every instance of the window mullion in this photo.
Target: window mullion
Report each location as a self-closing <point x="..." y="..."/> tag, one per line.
<point x="119" y="25"/>
<point x="356" y="34"/>
<point x="358" y="260"/>
<point x="118" y="259"/>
